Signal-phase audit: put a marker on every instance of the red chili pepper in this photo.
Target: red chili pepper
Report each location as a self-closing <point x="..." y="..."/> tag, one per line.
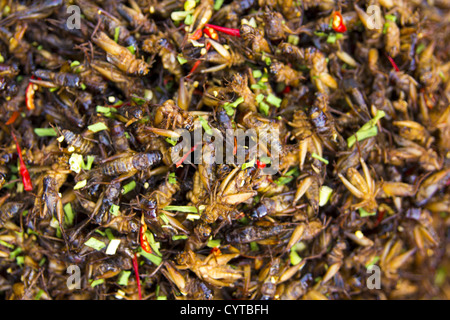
<point x="13" y="117"/>
<point x="380" y="217"/>
<point x="338" y="22"/>
<point x="393" y="63"/>
<point x="210" y="32"/>
<point x="186" y="155"/>
<point x="229" y="31"/>
<point x="26" y="180"/>
<point x="196" y="64"/>
<point x="29" y="95"/>
<point x="260" y="164"/>
<point x="136" y="272"/>
<point x="143" y="239"/>
<point x="287" y="89"/>
<point x="216" y="251"/>
<point x="235" y="146"/>
<point x="197" y="34"/>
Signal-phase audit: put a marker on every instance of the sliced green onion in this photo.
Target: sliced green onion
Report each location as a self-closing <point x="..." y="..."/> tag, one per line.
<point x="96" y="127"/>
<point x="132" y="49"/>
<point x="97" y="282"/>
<point x="75" y="64"/>
<point x="171" y="141"/>
<point x="254" y="246"/>
<point x="90" y="161"/>
<point x="155" y="245"/>
<point x="257" y="74"/>
<point x="274" y="100"/>
<point x="179" y="237"/>
<point x="109" y="234"/>
<point x="179" y="15"/>
<point x="114" y="210"/>
<point x="164" y="218"/>
<point x="362" y="135"/>
<point x="205" y="125"/>
<point x="95" y="244"/>
<point x="264" y="108"/>
<point x="294" y="257"/>
<point x="189" y="20"/>
<point x="123" y="278"/>
<point x="324" y="195"/>
<point x="6" y="244"/>
<point x="420" y="48"/>
<point x="69" y="215"/>
<point x="218" y="4"/>
<point x="363" y="213"/>
<point x="213" y="243"/>
<point x="15" y="253"/>
<point x="151" y="257"/>
<point x="83" y="86"/>
<point x="129" y="187"/>
<point x="320" y="34"/>
<point x="112" y="247"/>
<point x="80" y="184"/>
<point x="45" y="132"/>
<point x="172" y="178"/>
<point x="39" y="294"/>
<point x="181" y="208"/>
<point x="76" y="161"/>
<point x="293" y="39"/>
<point x="116" y="34"/>
<point x="372" y="262"/>
<point x="181" y="59"/>
<point x="390" y="17"/>
<point x="316" y="156"/>
<point x="105" y="110"/>
<point x="248" y="164"/>
<point x="260" y="97"/>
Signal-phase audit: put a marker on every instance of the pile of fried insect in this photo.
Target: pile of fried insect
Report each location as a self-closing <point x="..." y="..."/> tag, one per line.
<point x="93" y="95"/>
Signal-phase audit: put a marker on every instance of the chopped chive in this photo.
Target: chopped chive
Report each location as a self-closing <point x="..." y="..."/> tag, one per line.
<point x="114" y="210"/>
<point x="324" y="195"/>
<point x="129" y="187"/>
<point x="96" y="127"/>
<point x="181" y="208"/>
<point x="363" y="213"/>
<point x="213" y="243"/>
<point x="268" y="61"/>
<point x="385" y="27"/>
<point x="69" y="215"/>
<point x="155" y="245"/>
<point x="258" y="86"/>
<point x="316" y="156"/>
<point x="189" y="5"/>
<point x="42" y="261"/>
<point x="97" y="282"/>
<point x="112" y="247"/>
<point x="83" y="86"/>
<point x="53" y="89"/>
<point x="45" y="132"/>
<point x="205" y="125"/>
<point x="95" y="244"/>
<point x="440" y="277"/>
<point x="274" y="100"/>
<point x="161" y="298"/>
<point x="179" y="15"/>
<point x="80" y="184"/>
<point x="294" y="257"/>
<point x="116" y="34"/>
<point x="123" y="278"/>
<point x="228" y="109"/>
<point x="237" y="102"/>
<point x="179" y="237"/>
<point x="265" y="160"/>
